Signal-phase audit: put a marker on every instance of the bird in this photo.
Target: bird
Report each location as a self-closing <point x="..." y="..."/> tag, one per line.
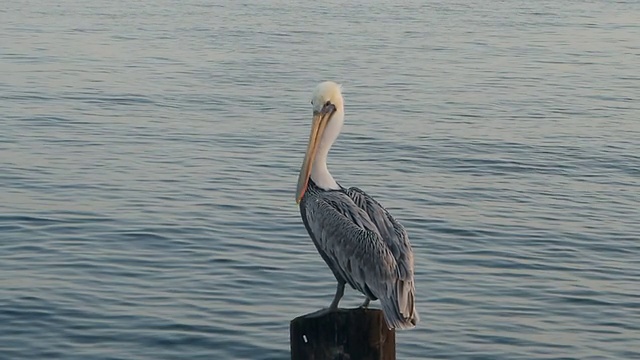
<point x="362" y="244"/>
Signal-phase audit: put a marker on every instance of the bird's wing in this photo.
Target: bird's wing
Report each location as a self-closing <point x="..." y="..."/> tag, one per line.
<point x="391" y="231"/>
<point x="399" y="304"/>
<point x="351" y="242"/>
<point x="367" y="247"/>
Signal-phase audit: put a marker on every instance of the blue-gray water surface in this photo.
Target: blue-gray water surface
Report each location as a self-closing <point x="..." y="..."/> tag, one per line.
<point x="149" y="153"/>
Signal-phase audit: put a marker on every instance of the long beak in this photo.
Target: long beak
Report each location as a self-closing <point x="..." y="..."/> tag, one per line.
<point x="319" y="124"/>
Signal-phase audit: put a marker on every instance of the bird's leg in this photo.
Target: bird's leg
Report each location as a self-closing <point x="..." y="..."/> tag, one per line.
<point x="334" y="303"/>
<point x="336" y="299"/>
<point x="365" y="304"/>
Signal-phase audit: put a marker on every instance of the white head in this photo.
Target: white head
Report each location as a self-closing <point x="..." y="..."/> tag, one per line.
<point x="327" y="92"/>
<point x="328" y="117"/>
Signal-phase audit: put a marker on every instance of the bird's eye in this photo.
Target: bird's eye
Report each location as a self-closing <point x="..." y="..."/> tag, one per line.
<point x="327" y="103"/>
<point x="311" y="102"/>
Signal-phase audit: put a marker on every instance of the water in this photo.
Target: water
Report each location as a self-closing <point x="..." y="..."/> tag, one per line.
<point x="149" y="154"/>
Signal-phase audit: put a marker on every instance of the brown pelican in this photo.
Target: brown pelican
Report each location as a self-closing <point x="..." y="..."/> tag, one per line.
<point x="359" y="240"/>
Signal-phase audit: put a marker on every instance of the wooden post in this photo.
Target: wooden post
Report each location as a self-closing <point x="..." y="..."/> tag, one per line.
<point x="345" y="334"/>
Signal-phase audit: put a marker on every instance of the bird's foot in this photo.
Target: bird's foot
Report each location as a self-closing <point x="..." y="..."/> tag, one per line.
<point x="321" y="312"/>
<point x="365" y="304"/>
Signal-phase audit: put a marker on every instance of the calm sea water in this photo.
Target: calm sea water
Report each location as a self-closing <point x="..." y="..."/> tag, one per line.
<point x="149" y="153"/>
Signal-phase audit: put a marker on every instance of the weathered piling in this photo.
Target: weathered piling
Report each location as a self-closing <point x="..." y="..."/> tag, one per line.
<point x="344" y="334"/>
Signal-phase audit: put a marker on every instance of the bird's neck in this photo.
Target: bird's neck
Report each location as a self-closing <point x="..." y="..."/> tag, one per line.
<point x="319" y="172"/>
<point x="321" y="175"/>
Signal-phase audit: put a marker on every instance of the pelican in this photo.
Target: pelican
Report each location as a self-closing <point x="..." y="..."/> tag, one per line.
<point x="363" y="245"/>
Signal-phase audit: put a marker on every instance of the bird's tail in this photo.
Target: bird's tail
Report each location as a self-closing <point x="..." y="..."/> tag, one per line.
<point x="399" y="306"/>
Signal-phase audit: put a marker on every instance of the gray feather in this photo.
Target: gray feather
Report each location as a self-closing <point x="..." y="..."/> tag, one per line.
<point x="365" y="247"/>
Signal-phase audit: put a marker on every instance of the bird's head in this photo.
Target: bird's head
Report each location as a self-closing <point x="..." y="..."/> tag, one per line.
<point x="327" y="98"/>
<point x="328" y="116"/>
